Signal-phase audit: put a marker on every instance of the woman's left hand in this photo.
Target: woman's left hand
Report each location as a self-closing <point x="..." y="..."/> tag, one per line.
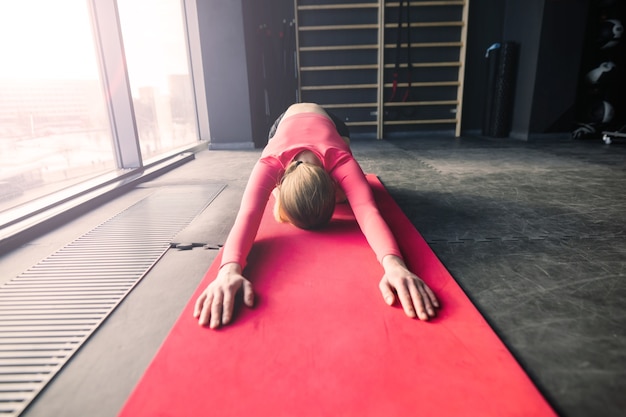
<point x="417" y="299"/>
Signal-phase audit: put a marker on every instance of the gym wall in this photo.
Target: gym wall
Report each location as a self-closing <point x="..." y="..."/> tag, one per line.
<point x="548" y="33"/>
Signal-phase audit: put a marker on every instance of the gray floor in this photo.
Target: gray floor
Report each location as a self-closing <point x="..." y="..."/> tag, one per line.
<point x="534" y="233"/>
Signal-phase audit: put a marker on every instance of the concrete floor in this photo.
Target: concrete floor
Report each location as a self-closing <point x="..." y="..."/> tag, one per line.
<point x="533" y="232"/>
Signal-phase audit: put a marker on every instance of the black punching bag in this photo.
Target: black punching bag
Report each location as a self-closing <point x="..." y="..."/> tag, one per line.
<point x="501" y="73"/>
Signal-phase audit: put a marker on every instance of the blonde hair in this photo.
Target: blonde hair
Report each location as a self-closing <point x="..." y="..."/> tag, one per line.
<point x="306" y="196"/>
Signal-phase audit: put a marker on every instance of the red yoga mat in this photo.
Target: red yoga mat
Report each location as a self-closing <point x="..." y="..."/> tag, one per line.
<point x="320" y="340"/>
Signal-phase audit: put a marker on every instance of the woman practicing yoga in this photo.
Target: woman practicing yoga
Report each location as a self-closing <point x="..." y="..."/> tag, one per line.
<point x="308" y="166"/>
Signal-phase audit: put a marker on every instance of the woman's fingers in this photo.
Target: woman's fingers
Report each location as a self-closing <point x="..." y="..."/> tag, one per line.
<point x="248" y="294"/>
<point x="416" y="298"/>
<point x="387" y="292"/>
<point x="422" y="308"/>
<point x="199" y="305"/>
<point x="428" y="299"/>
<point x="215" y="306"/>
<point x="216" y="310"/>
<point x="227" y="307"/>
<point x="431" y="295"/>
<point x="205" y="308"/>
<point x="406" y="299"/>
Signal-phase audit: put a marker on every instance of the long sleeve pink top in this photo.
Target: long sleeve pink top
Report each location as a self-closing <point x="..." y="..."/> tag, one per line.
<point x="316" y="133"/>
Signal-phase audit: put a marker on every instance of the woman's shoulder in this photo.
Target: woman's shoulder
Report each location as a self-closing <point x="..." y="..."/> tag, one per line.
<point x="278" y="159"/>
<point x="336" y="157"/>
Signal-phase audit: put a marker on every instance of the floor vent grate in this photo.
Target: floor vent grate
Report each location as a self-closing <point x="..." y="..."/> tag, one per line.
<point x="49" y="311"/>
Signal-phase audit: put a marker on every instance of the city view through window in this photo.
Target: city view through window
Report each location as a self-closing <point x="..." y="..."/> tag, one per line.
<point x="158" y="68"/>
<point x="54" y="123"/>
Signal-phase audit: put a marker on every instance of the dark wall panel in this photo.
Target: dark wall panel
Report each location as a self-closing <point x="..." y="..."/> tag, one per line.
<point x="558" y="63"/>
<point x="270" y="42"/>
<point x="486" y="20"/>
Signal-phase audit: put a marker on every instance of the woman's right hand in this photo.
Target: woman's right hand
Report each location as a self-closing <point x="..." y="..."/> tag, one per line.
<point x="216" y="303"/>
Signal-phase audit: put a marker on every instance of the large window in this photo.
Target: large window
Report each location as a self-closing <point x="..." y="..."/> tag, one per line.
<point x="158" y="68"/>
<point x="56" y="111"/>
<point x="54" y="128"/>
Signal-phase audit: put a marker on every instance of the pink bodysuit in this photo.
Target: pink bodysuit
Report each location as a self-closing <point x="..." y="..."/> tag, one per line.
<point x="316" y="133"/>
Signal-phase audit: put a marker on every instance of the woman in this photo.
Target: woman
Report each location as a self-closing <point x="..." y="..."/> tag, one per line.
<point x="308" y="165"/>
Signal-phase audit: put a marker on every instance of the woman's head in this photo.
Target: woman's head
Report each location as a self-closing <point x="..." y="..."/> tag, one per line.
<point x="307" y="196"/>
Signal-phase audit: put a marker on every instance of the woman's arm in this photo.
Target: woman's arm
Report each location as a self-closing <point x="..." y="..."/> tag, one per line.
<point x="215" y="305"/>
<point x="417" y="299"/>
<point x="263" y="179"/>
<point x="352" y="181"/>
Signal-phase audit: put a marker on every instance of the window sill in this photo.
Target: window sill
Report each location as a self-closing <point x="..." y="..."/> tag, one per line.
<point x="24" y="222"/>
